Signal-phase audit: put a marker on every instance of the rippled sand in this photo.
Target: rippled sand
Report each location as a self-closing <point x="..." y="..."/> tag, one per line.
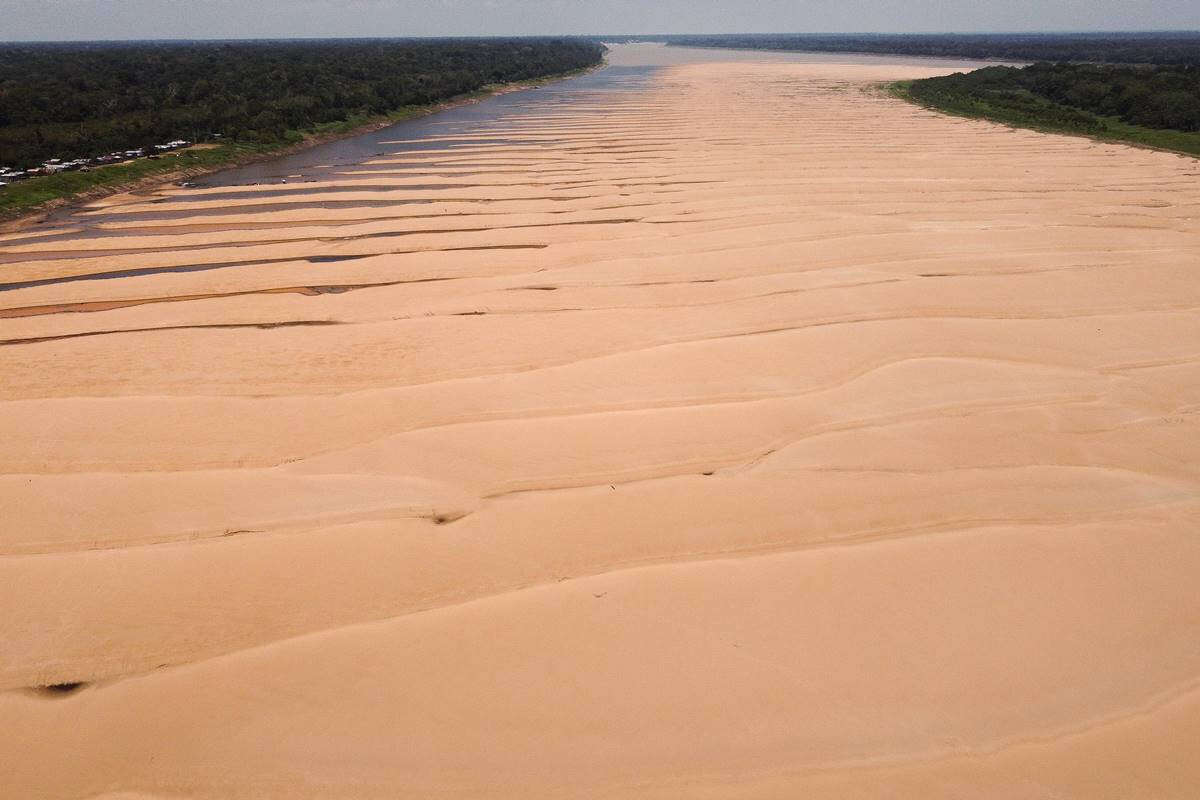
<point x="749" y="434"/>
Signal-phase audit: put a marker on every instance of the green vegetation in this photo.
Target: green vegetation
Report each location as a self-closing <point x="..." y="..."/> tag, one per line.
<point x="68" y="101"/>
<point x="1153" y="106"/>
<point x="26" y="195"/>
<point x="1176" y="47"/>
<point x="71" y="101"/>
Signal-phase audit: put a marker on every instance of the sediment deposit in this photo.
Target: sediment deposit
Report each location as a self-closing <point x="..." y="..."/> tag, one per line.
<point x="745" y="433"/>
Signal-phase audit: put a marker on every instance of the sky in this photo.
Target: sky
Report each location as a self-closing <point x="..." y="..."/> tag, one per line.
<point x="171" y="19"/>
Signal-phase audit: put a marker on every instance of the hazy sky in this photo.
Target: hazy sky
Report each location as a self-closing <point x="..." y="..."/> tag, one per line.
<point x="141" y="19"/>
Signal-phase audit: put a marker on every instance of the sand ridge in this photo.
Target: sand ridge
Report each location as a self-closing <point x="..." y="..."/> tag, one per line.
<point x="735" y="432"/>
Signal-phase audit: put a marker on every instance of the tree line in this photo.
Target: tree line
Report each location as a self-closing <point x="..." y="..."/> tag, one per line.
<point x="80" y="100"/>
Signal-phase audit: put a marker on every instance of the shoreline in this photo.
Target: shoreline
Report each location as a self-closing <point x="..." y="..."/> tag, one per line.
<point x="13" y="222"/>
<point x="900" y="91"/>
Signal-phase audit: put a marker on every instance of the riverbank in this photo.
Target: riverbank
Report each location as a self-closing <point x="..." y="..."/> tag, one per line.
<point x="30" y="201"/>
<point x="1051" y="118"/>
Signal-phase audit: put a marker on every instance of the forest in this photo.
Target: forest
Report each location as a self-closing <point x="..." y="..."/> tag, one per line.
<point x="1150" y="104"/>
<point x="70" y="101"/>
<point x="1117" y="48"/>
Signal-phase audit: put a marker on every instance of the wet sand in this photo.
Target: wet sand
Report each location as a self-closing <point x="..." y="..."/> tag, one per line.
<point x="723" y="429"/>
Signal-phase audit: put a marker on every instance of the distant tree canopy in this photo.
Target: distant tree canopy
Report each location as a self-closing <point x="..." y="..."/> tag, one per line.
<point x="78" y="100"/>
<point x="1116" y="48"/>
<point x="1075" y="95"/>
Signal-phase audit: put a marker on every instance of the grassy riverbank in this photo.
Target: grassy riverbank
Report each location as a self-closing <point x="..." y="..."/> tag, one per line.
<point x="1006" y="95"/>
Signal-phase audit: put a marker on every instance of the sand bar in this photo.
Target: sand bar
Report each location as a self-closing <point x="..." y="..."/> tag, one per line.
<point x="726" y="429"/>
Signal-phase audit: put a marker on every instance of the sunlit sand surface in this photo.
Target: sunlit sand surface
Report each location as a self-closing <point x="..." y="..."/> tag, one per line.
<point x="731" y="430"/>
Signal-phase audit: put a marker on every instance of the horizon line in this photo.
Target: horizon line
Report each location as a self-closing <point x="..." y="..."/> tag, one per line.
<point x="602" y="36"/>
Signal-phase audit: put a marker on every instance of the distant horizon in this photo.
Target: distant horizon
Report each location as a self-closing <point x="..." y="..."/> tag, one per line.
<point x="196" y="20"/>
<point x="610" y="35"/>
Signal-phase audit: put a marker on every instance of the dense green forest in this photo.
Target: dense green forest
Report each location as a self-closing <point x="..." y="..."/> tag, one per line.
<point x="80" y="100"/>
<point x="1120" y="48"/>
<point x="1153" y="105"/>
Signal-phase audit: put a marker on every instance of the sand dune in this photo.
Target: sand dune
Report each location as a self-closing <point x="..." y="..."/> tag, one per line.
<point x="731" y="431"/>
